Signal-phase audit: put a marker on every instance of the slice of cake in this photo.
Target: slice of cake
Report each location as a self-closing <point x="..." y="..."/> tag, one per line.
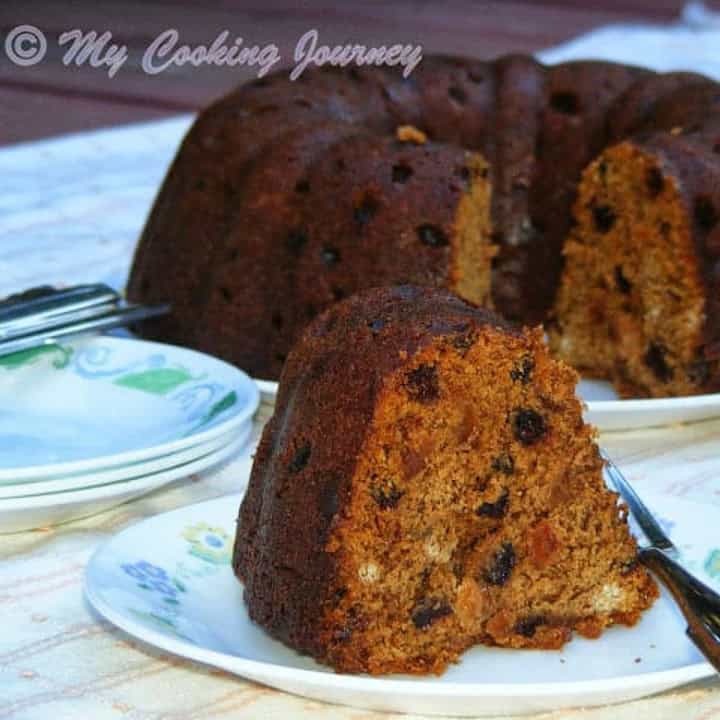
<point x="639" y="297"/>
<point x="425" y="484"/>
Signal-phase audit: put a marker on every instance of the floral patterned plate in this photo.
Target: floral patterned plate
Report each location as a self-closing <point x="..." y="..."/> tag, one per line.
<point x="168" y="581"/>
<point x="105" y="401"/>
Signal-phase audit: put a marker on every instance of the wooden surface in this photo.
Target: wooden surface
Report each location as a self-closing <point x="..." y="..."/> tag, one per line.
<point x="51" y="98"/>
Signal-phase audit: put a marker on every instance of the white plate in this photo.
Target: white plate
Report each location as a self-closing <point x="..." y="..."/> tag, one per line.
<point x="27" y="513"/>
<point x="68" y="483"/>
<point x="104" y="401"/>
<point x="268" y="388"/>
<point x="607" y="412"/>
<point x="180" y="595"/>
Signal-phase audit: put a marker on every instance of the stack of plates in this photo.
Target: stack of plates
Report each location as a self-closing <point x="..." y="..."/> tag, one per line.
<point x="90" y="424"/>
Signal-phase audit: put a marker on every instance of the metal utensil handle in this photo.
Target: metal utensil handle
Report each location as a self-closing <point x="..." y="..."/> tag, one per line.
<point x="116" y="318"/>
<point x="696" y="601"/>
<point x="645" y="519"/>
<point x="24" y="306"/>
<point x="54" y="319"/>
<point x="705" y="594"/>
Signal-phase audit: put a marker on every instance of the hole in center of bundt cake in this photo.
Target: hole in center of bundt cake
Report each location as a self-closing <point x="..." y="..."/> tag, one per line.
<point x="478" y="516"/>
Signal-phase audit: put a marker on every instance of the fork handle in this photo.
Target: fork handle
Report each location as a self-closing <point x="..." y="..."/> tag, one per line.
<point x="698" y="603"/>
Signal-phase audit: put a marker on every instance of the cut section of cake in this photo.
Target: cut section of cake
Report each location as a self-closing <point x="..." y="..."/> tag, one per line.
<point x="638" y="301"/>
<point x="425" y="484"/>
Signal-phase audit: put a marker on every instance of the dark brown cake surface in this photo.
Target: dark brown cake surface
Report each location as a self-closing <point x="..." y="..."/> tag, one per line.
<point x="286" y="197"/>
<point x="427" y="483"/>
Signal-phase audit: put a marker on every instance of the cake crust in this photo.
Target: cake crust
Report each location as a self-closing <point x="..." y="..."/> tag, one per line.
<point x="286" y="197"/>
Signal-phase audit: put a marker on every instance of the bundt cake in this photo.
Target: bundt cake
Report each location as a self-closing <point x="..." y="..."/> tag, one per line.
<point x="287" y="196"/>
<point x="427" y="483"/>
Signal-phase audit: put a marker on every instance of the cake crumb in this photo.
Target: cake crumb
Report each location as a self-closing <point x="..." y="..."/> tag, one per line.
<point x="608" y="598"/>
<point x="409" y="133"/>
<point x="369" y="573"/>
<point x="438" y="551"/>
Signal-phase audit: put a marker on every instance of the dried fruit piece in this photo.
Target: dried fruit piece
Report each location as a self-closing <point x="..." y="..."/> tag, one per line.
<point x="355" y="622"/>
<point x="522" y="370"/>
<point x="655" y="359"/>
<point x="432" y="235"/>
<point x="330" y="255"/>
<point x="504" y="464"/>
<point x="386" y="494"/>
<point x="501" y="566"/>
<point x="528" y="425"/>
<point x="527" y="626"/>
<point x="621" y="282"/>
<point x="699" y="372"/>
<point x="296" y="241"/>
<point x="705" y="214"/>
<point x="495" y="509"/>
<point x="413" y="462"/>
<point x="300" y="458"/>
<point x="401" y="173"/>
<point x="423" y="384"/>
<point x="428" y="611"/>
<point x="604" y="218"/>
<point x="565" y="102"/>
<point x="366" y="209"/>
<point x="655" y="181"/>
<point x="462" y="343"/>
<point x="457" y="94"/>
<point x="409" y="133"/>
<point x="542" y="545"/>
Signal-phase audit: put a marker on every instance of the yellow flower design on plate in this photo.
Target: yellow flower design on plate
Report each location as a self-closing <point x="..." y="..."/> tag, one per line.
<point x="209" y="543"/>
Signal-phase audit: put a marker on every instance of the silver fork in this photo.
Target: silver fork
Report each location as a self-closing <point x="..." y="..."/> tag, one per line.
<point x="45" y="315"/>
<point x="699" y="604"/>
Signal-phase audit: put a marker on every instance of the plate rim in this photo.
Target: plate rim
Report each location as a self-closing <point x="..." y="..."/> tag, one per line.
<point x="267" y="387"/>
<point x="655" y="403"/>
<point x="134" y="471"/>
<point x="104" y="462"/>
<point x="119" y="487"/>
<point x="391" y="686"/>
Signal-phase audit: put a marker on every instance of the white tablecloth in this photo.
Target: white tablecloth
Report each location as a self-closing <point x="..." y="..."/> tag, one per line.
<point x="70" y="211"/>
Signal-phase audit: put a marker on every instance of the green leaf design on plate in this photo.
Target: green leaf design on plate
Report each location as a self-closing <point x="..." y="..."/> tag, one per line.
<point x="26" y="357"/>
<point x="162" y="623"/>
<point x="220" y="406"/>
<point x="712" y="564"/>
<point x="157" y="381"/>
